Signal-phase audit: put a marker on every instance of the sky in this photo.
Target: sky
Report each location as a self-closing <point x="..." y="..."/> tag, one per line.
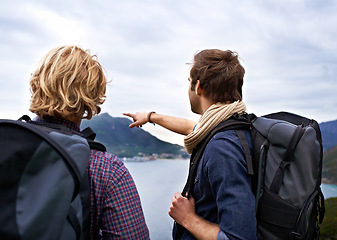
<point x="288" y="48"/>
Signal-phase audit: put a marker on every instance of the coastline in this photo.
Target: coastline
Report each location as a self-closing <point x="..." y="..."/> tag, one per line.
<point x="150" y="158"/>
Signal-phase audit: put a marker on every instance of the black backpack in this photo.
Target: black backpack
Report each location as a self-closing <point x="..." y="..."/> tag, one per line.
<point x="44" y="186"/>
<point x="286" y="170"/>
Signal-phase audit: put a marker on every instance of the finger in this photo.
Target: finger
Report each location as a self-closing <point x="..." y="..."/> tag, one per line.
<point x="177" y="194"/>
<point x="174" y="197"/>
<point x="135" y="124"/>
<point x="170" y="211"/>
<point x="128" y="114"/>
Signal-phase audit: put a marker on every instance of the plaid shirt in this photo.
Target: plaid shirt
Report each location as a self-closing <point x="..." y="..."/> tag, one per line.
<point x="116" y="211"/>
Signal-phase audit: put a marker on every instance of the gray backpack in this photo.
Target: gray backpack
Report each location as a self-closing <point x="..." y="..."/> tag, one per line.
<point x="288" y="159"/>
<point x="286" y="170"/>
<point x="44" y="186"/>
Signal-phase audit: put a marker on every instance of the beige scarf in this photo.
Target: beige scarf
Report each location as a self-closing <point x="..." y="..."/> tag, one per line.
<point x="215" y="114"/>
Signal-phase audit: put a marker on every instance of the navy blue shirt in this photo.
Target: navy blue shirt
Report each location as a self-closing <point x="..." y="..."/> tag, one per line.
<point x="222" y="190"/>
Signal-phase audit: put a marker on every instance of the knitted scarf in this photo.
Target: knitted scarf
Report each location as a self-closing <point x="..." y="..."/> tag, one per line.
<point x="215" y="114"/>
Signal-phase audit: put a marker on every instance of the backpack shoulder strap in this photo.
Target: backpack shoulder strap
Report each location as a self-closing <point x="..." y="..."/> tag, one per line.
<point x="42" y="131"/>
<point x="90" y="135"/>
<point x="245" y="145"/>
<point x="233" y="123"/>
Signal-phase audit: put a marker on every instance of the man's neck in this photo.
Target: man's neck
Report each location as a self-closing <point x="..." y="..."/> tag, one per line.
<point x="74" y="120"/>
<point x="205" y="104"/>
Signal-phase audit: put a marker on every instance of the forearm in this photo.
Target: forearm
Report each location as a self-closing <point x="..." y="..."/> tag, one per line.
<point x="175" y="124"/>
<point x="200" y="228"/>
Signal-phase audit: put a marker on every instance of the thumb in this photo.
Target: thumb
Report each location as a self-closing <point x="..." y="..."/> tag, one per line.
<point x="135" y="124"/>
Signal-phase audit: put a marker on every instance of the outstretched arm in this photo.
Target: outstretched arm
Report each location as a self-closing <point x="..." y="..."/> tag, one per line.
<point x="175" y="124"/>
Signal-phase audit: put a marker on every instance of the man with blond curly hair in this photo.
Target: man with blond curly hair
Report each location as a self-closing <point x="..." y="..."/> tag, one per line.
<point x="69" y="85"/>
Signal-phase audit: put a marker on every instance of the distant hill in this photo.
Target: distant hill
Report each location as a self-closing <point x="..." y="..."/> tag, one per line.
<point x="330" y="165"/>
<point x="123" y="141"/>
<point x="329" y="139"/>
<point x="329" y="134"/>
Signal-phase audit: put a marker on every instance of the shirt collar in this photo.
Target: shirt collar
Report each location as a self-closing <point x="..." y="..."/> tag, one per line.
<point x="73" y="127"/>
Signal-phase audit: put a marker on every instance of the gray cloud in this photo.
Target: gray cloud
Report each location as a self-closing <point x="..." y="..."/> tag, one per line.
<point x="288" y="49"/>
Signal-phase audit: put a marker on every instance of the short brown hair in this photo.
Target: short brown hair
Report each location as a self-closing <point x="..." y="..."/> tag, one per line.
<point x="220" y="74"/>
<point x="68" y="82"/>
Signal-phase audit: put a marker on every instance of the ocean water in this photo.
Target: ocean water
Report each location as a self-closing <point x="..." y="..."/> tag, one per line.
<point x="158" y="180"/>
<point x="329" y="190"/>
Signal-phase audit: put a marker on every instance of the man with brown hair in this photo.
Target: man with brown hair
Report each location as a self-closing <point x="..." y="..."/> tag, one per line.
<point x="68" y="86"/>
<point x="221" y="205"/>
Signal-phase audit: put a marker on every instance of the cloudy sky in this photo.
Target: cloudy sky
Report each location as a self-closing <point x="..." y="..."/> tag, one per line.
<point x="288" y="48"/>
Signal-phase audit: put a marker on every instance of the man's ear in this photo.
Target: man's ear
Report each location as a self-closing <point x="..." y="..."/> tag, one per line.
<point x="198" y="89"/>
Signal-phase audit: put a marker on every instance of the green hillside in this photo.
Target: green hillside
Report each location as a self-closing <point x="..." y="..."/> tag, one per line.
<point x="329" y="138"/>
<point x="330" y="165"/>
<point x="329" y="134"/>
<point x="329" y="226"/>
<point x="119" y="139"/>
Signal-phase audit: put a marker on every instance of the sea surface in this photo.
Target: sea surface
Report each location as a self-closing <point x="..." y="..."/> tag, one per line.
<point x="158" y="180"/>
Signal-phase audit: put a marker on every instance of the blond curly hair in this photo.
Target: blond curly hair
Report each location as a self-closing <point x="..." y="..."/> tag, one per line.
<point x="68" y="83"/>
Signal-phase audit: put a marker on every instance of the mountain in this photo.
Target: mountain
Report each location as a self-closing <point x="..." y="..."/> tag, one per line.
<point x="119" y="139"/>
<point x="329" y="134"/>
<point x="329" y="139"/>
<point x="330" y="165"/>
